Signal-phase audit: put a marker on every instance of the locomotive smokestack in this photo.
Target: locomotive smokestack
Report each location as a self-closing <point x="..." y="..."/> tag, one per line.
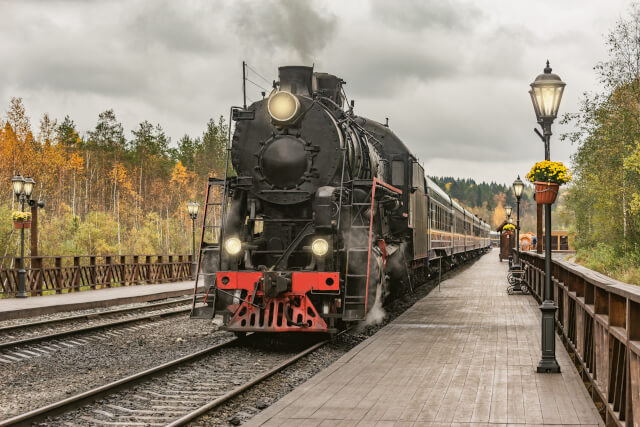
<point x="296" y="79"/>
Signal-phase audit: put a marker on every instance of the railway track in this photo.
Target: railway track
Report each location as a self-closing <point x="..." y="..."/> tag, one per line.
<point x="173" y="393"/>
<point x="29" y="340"/>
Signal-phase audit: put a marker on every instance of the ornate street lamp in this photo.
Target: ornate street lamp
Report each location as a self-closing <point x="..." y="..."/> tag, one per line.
<point x="518" y="188"/>
<point x="546" y="94"/>
<point x="192" y="208"/>
<point x="508" y="209"/>
<point x="22" y="189"/>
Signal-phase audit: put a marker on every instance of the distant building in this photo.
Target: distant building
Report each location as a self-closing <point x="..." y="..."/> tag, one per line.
<point x="559" y="241"/>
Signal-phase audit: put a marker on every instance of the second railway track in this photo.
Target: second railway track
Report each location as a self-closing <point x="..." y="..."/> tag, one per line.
<point x="33" y="339"/>
<point x="173" y="393"/>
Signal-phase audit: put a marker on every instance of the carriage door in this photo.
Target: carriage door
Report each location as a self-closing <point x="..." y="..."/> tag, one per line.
<point x="418" y="213"/>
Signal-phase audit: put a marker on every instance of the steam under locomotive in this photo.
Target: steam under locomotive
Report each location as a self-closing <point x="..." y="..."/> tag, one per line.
<point x="329" y="214"/>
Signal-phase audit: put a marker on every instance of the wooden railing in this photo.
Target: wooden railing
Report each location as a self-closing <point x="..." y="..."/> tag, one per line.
<point x="599" y="320"/>
<point x="59" y="274"/>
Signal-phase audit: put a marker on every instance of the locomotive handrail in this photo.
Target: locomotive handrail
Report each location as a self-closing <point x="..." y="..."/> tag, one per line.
<point x="599" y="320"/>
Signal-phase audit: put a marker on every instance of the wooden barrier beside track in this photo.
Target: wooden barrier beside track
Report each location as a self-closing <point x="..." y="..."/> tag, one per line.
<point x="599" y="320"/>
<point x="59" y="274"/>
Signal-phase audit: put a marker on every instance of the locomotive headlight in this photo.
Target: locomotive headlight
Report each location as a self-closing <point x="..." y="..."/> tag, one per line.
<point x="320" y="247"/>
<point x="233" y="245"/>
<point x="283" y="107"/>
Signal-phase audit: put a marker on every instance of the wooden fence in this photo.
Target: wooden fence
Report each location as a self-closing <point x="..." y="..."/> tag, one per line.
<point x="599" y="319"/>
<point x="59" y="274"/>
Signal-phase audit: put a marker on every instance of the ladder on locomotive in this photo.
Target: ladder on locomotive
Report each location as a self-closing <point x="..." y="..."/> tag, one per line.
<point x="358" y="248"/>
<point x="203" y="304"/>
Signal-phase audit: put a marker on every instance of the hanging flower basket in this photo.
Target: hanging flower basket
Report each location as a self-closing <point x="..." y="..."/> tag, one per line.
<point x="508" y="227"/>
<point x="546" y="192"/>
<point x="548" y="177"/>
<point x="21" y="219"/>
<point x="22" y="224"/>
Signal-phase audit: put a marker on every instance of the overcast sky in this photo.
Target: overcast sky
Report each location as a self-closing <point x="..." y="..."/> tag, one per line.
<point x="451" y="75"/>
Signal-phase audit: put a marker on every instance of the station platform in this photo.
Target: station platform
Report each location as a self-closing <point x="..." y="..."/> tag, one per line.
<point x="464" y="355"/>
<point x="14" y="308"/>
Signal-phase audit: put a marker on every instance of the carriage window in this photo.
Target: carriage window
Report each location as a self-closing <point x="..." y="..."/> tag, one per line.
<point x="397" y="172"/>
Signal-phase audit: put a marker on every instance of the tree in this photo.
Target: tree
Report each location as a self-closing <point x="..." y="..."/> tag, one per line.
<point x="67" y="133"/>
<point x="108" y="133"/>
<point x="606" y="190"/>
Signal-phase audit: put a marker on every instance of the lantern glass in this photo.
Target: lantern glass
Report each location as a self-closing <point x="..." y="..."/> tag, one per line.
<point x="518" y="187"/>
<point x="546" y="94"/>
<point x="18" y="184"/>
<point x="28" y="186"/>
<point x="508" y="210"/>
<point x="192" y="208"/>
<point x="510" y="220"/>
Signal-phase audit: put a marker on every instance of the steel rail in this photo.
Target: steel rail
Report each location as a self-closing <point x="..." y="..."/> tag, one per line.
<point x="57" y="335"/>
<point x="80" y="399"/>
<point x="89" y="316"/>
<point x="236" y="391"/>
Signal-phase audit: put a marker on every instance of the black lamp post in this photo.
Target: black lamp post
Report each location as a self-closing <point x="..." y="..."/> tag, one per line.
<point x="518" y="188"/>
<point x="22" y="188"/>
<point x="508" y="209"/>
<point x="546" y="94"/>
<point x="192" y="208"/>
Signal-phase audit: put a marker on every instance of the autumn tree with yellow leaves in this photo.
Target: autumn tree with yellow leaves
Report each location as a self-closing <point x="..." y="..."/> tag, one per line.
<point x="104" y="192"/>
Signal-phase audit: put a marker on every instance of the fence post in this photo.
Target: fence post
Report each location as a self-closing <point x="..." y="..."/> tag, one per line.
<point x="123" y="270"/>
<point x="135" y="271"/>
<point x="148" y="273"/>
<point x="58" y="275"/>
<point x="159" y="274"/>
<point x="92" y="271"/>
<point x="36" y="274"/>
<point x="108" y="260"/>
<point x="77" y="275"/>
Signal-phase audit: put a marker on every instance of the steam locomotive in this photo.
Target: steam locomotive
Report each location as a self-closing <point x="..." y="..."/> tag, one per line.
<point x="329" y="214"/>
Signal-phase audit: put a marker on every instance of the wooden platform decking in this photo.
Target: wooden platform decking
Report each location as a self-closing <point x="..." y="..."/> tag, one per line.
<point x="462" y="356"/>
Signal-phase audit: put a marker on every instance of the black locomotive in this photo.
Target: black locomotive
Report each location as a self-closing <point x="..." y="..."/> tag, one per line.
<point x="329" y="214"/>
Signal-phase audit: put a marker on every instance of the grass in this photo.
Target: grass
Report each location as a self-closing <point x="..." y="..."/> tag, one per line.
<point x="612" y="262"/>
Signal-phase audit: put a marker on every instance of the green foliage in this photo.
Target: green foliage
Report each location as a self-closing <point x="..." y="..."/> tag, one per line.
<point x="67" y="133"/>
<point x="605" y="196"/>
<point x="609" y="260"/>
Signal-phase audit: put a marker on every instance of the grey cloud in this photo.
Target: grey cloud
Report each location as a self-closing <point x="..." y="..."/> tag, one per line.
<point x="415" y="15"/>
<point x="394" y="68"/>
<point x="175" y="27"/>
<point x="278" y="25"/>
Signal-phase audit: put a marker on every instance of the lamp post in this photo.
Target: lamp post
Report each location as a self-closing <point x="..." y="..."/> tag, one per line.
<point x="508" y="209"/>
<point x="192" y="208"/>
<point x="546" y="94"/>
<point x="22" y="188"/>
<point x="518" y="188"/>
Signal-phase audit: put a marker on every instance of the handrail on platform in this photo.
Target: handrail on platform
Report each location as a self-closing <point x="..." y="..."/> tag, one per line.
<point x="599" y="320"/>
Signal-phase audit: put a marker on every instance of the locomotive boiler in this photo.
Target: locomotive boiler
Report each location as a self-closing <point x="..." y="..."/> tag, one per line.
<point x="328" y="214"/>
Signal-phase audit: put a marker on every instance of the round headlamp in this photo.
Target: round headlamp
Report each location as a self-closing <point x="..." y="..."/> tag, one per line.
<point x="283" y="107"/>
<point x="320" y="247"/>
<point x="233" y="245"/>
